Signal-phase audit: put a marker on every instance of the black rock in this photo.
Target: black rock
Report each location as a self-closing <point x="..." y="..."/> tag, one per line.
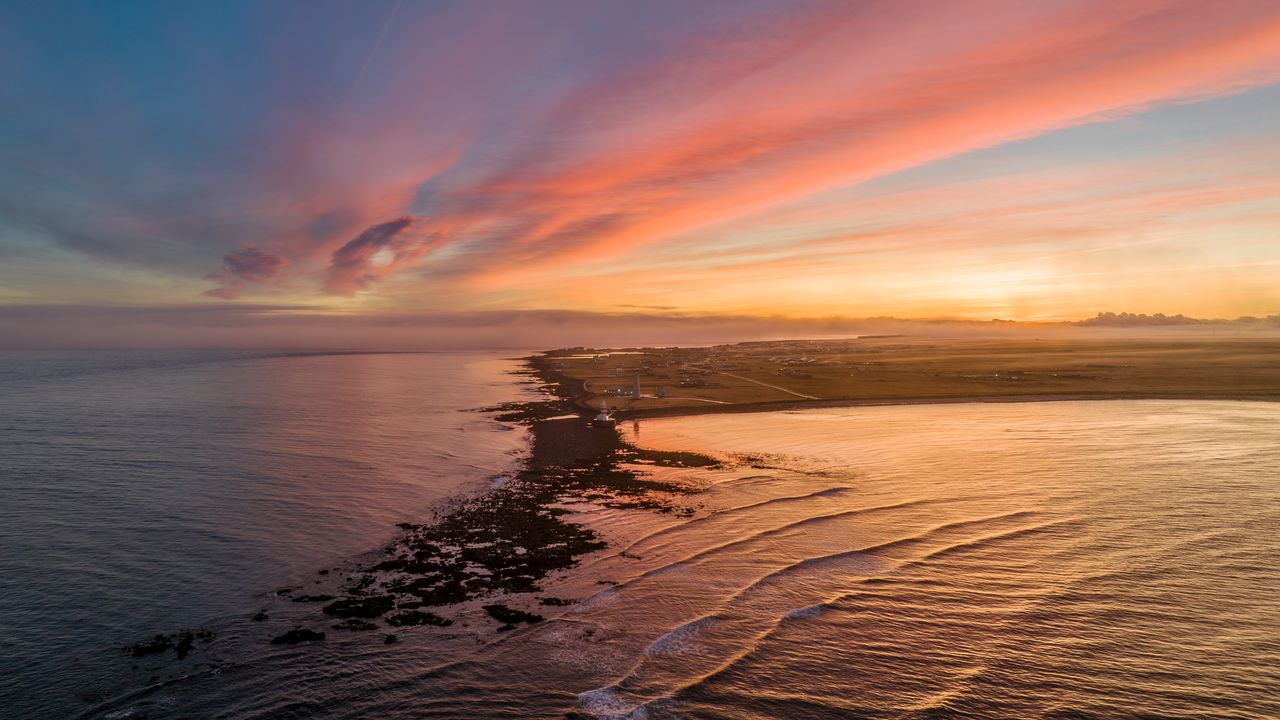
<point x="511" y="616"/>
<point x="183" y="644"/>
<point x="355" y="625"/>
<point x="297" y="635"/>
<point x="390" y="640"/>
<point x="361" y="607"/>
<point x="262" y="615"/>
<point x="157" y="644"/>
<point x="313" y="598"/>
<point x="418" y="617"/>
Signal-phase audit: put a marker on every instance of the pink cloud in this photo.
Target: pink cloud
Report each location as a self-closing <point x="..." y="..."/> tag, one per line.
<point x="255" y="265"/>
<point x="374" y="254"/>
<point x="246" y="265"/>
<point x="853" y="104"/>
<point x="713" y="127"/>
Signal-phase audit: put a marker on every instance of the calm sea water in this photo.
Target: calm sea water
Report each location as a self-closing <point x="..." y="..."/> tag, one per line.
<point x="149" y="492"/>
<point x="1041" y="560"/>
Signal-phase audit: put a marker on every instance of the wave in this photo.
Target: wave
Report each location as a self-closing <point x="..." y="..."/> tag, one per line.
<point x="758" y="536"/>
<point x="696" y="523"/>
<point x="677" y="641"/>
<point x="629" y="695"/>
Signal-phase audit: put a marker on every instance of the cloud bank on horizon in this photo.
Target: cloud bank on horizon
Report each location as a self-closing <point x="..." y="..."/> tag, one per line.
<point x="985" y="158"/>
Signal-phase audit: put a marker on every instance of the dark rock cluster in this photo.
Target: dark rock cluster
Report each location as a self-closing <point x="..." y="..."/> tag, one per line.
<point x="510" y="617"/>
<point x="506" y="541"/>
<point x="355" y="625"/>
<point x="296" y="636"/>
<point x="418" y="617"/>
<point x="180" y="642"/>
<point x="503" y="542"/>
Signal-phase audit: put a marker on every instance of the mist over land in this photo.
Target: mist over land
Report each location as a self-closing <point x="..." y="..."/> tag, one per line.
<point x="292" y="327"/>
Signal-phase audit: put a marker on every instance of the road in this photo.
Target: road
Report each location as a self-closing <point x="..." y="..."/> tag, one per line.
<point x="757" y="382"/>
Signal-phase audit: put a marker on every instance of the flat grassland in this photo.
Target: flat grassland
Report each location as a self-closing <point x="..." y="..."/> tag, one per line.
<point x="897" y="369"/>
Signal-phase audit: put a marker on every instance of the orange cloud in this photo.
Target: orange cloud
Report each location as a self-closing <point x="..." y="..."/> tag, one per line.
<point x="713" y="127"/>
<point x="805" y="122"/>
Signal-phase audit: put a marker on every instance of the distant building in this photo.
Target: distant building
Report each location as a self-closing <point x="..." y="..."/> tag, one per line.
<point x="603" y="419"/>
<point x="635" y="389"/>
<point x="664" y="392"/>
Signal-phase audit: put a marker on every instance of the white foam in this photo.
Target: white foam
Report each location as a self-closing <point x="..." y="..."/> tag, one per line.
<point x="600" y="598"/>
<point x="607" y="703"/>
<point x="805" y="612"/>
<point x="680" y="640"/>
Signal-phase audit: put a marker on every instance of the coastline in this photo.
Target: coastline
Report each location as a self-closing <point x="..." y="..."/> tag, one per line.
<point x="577" y="398"/>
<point x="499" y="545"/>
<point x="493" y="563"/>
<point x="939" y="400"/>
<point x="654" y="382"/>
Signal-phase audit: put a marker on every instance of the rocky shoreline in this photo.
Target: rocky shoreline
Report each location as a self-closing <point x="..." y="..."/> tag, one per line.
<point x="500" y="544"/>
<point x="506" y="541"/>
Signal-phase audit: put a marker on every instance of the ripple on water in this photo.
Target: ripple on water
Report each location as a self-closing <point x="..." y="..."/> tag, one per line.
<point x="1057" y="561"/>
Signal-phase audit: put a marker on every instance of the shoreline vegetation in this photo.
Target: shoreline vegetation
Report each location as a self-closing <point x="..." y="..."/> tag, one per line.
<point x="497" y="547"/>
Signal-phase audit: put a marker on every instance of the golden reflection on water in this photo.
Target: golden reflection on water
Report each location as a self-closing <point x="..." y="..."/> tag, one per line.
<point x="1053" y="560"/>
<point x="1036" y="560"/>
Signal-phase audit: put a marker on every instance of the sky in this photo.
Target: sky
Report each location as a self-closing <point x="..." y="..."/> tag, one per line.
<point x="412" y="159"/>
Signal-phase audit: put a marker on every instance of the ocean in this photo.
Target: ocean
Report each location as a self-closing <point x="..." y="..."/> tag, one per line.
<point x="1065" y="560"/>
<point x="147" y="492"/>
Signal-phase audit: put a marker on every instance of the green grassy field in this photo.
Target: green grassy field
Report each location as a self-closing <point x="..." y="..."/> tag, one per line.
<point x="913" y="369"/>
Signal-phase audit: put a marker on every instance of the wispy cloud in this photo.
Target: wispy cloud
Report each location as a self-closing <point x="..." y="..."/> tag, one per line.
<point x="823" y="115"/>
<point x="246" y="265"/>
<point x="375" y="253"/>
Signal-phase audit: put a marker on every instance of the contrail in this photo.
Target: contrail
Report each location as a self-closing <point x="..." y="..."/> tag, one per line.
<point x="386" y="26"/>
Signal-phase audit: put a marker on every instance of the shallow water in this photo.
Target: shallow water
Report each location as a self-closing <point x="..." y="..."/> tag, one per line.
<point x="1114" y="559"/>
<point x="147" y="492"/>
<point x="1040" y="560"/>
